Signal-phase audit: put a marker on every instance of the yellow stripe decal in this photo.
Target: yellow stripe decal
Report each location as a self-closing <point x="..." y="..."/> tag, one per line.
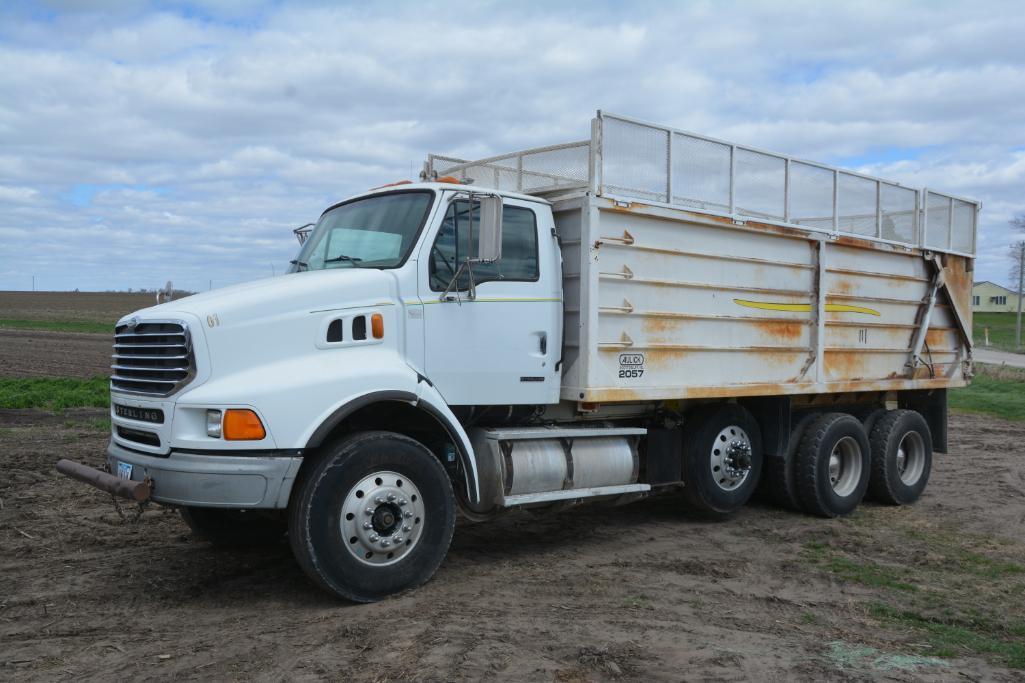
<point x="804" y="308"/>
<point x="844" y="308"/>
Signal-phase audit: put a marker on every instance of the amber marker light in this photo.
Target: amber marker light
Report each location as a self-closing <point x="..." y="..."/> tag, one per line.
<point x="377" y="325"/>
<point x="242" y="424"/>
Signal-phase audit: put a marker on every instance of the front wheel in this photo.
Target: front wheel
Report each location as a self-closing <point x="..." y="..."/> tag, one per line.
<point x="374" y="516"/>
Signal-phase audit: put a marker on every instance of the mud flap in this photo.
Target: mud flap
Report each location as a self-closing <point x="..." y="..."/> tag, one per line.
<point x="932" y="405"/>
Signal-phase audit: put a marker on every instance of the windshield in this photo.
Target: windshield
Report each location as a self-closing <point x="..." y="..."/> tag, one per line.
<point x="376" y="232"/>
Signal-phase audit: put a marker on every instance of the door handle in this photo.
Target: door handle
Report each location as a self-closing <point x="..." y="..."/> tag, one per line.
<point x="543" y="343"/>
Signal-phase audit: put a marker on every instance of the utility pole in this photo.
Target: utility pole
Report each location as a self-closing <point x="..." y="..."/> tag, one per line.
<point x="33" y="283"/>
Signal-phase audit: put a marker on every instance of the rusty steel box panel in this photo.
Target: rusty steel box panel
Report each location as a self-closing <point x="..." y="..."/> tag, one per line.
<point x="662" y="303"/>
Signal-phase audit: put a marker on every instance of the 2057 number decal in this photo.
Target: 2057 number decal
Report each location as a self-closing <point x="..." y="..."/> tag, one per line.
<point x="631" y="365"/>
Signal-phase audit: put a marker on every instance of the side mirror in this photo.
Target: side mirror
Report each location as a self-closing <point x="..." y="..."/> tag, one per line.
<point x="489" y="244"/>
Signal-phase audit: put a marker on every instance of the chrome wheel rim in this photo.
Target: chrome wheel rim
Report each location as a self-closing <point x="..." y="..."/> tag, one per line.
<point x="382" y="518"/>
<point x="730" y="458"/>
<point x="845" y="466"/>
<point x="910" y="458"/>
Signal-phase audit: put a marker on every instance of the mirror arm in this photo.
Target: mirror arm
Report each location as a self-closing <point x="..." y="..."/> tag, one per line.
<point x="471" y="292"/>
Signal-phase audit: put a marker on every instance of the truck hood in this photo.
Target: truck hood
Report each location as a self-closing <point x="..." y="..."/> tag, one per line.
<point x="260" y="323"/>
<point x="286" y="295"/>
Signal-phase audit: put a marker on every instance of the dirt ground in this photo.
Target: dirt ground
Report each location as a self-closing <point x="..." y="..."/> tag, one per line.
<point x="35" y="353"/>
<point x="42" y="353"/>
<point x="643" y="591"/>
<point x="100" y="307"/>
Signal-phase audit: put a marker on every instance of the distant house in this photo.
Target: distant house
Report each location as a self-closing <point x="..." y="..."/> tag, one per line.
<point x="988" y="297"/>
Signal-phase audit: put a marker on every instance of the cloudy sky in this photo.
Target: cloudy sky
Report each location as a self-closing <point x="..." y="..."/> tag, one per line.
<point x="147" y="141"/>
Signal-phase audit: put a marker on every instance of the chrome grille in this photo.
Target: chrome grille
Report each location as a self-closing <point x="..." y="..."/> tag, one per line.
<point x="151" y="358"/>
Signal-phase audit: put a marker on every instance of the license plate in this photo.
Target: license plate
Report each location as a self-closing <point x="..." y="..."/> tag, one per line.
<point x="124" y="470"/>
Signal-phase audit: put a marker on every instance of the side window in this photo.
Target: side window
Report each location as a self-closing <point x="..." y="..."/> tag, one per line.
<point x="519" y="260"/>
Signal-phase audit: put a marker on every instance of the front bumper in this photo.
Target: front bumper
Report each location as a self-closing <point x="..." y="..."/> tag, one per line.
<point x="212" y="479"/>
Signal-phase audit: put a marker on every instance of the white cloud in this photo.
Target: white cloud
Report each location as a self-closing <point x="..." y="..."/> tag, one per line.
<point x="146" y="143"/>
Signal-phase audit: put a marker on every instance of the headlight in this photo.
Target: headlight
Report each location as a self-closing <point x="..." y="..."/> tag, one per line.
<point x="213" y="423"/>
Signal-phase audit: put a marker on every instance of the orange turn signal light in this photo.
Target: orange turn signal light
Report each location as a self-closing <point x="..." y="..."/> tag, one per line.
<point x="377" y="325"/>
<point x="242" y="424"/>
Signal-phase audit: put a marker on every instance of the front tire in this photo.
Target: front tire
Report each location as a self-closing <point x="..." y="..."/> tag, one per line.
<point x="901" y="457"/>
<point x="374" y="516"/>
<point x="722" y="459"/>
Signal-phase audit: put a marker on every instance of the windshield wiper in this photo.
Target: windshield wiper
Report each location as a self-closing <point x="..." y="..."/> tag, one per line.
<point x="300" y="265"/>
<point x="342" y="257"/>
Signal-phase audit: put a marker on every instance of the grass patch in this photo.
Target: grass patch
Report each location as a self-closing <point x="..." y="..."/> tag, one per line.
<point x="958" y="593"/>
<point x="955" y="638"/>
<point x="57" y="325"/>
<point x="869" y="574"/>
<point x="865" y="572"/>
<point x="54" y="393"/>
<point x="638" y="602"/>
<point x="1002" y="397"/>
<point x="1001" y="330"/>
<point x="100" y="424"/>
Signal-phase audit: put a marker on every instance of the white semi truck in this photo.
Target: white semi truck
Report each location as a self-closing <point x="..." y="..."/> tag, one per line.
<point x="644" y="310"/>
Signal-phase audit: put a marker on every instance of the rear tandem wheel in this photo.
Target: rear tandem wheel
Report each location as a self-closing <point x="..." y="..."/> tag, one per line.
<point x="833" y="465"/>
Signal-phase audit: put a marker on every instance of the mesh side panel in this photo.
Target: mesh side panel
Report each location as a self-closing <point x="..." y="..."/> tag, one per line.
<point x="484" y="175"/>
<point x="541" y="169"/>
<point x="760" y="180"/>
<point x="557" y="167"/>
<point x="811" y="195"/>
<point x="898" y="209"/>
<point x="443" y="165"/>
<point x="701" y="173"/>
<point x="937" y="209"/>
<point x="964" y="226"/>
<point x="856" y="205"/>
<point x="635" y="160"/>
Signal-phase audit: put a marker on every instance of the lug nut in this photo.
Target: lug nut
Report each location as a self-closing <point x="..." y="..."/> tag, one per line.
<point x="406" y="527"/>
<point x="369" y="511"/>
<point x="374" y="538"/>
<point x="397" y="539"/>
<point x="379" y="500"/>
<point x="368" y="525"/>
<point x="407" y="514"/>
<point x="391" y="497"/>
<point x="385" y="543"/>
<point x="403" y="501"/>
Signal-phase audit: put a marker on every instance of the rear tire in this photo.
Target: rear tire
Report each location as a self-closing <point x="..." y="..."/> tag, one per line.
<point x="833" y="463"/>
<point x="235" y="528"/>
<point x="722" y="459"/>
<point x="781" y="473"/>
<point x="374" y="516"/>
<point x="901" y="457"/>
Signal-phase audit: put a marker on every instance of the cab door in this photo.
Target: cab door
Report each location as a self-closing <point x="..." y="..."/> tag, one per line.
<point x="501" y="347"/>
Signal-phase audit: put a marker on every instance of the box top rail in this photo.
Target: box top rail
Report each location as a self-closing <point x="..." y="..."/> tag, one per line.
<point x="634" y="160"/>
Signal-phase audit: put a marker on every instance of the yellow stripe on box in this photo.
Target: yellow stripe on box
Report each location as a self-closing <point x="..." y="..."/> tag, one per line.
<point x="804" y="308"/>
